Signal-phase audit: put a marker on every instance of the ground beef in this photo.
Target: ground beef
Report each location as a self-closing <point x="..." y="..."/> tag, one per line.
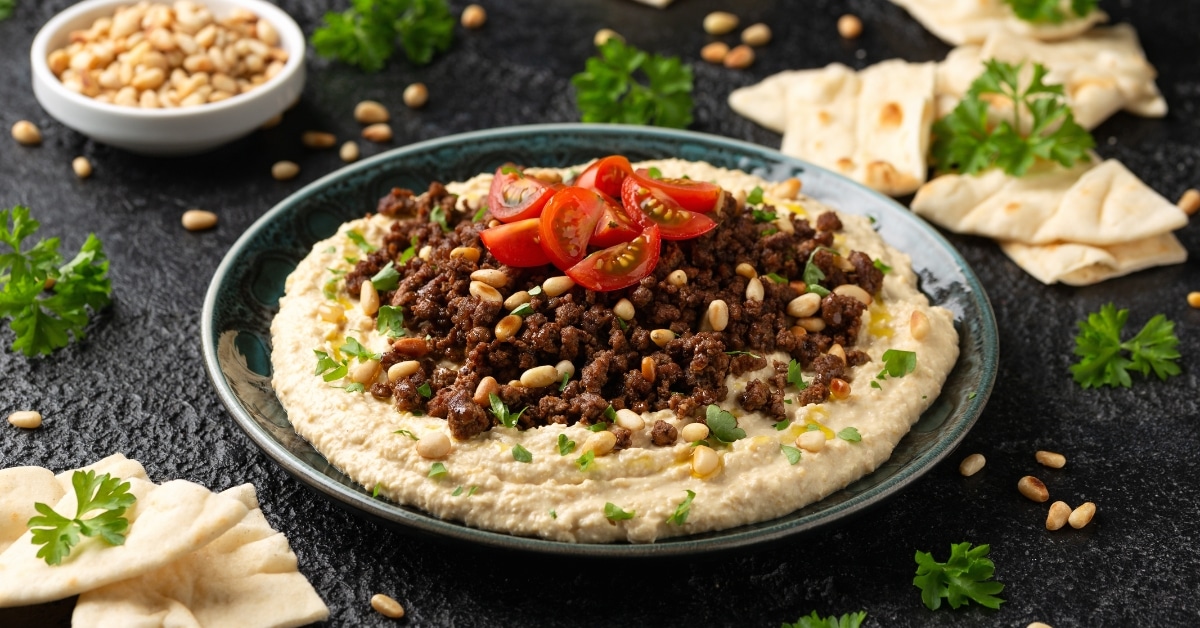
<point x="663" y="434"/>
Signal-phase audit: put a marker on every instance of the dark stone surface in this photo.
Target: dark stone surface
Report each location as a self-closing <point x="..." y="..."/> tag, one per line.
<point x="137" y="385"/>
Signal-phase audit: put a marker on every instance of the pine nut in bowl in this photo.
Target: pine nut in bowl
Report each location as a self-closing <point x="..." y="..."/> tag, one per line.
<point x="197" y="75"/>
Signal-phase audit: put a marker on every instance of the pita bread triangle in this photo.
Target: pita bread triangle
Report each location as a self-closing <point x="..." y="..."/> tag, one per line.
<point x="960" y="22"/>
<point x="1081" y="264"/>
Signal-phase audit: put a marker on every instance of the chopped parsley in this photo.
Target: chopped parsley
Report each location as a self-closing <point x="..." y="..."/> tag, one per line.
<point x="610" y="413"/>
<point x="795" y="375"/>
<point x="437" y="470"/>
<point x="784" y="424"/>
<point x="679" y="517"/>
<point x="755" y="197"/>
<point x="897" y="363"/>
<point x="410" y="251"/>
<point x="565" y="445"/>
<point x="722" y="424"/>
<point x="654" y="173"/>
<point x="437" y="215"/>
<point x="406" y="433"/>
<point x="553" y="515"/>
<point x="883" y="268"/>
<point x="565" y="378"/>
<point x="457" y="492"/>
<point x="328" y="368"/>
<point x="763" y="215"/>
<point x="375" y="491"/>
<point x="793" y="454"/>
<point x="520" y="454"/>
<point x="586" y="461"/>
<point x="424" y="390"/>
<point x="356" y="387"/>
<point x="776" y="277"/>
<point x="813" y="275"/>
<point x="479" y="213"/>
<point x="354" y="348"/>
<point x="522" y="310"/>
<point x="850" y="434"/>
<point x="390" y="321"/>
<point x="358" y="239"/>
<point x="972" y="394"/>
<point x="599" y="426"/>
<point x="501" y="412"/>
<point x="534" y="291"/>
<point x="612" y="512"/>
<point x="386" y="279"/>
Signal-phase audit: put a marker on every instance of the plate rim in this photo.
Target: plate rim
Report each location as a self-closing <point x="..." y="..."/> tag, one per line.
<point x="675" y="546"/>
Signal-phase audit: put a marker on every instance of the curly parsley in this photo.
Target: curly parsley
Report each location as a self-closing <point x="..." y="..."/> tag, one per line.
<point x="58" y="534"/>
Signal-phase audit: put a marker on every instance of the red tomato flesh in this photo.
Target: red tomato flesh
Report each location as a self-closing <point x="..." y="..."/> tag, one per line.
<point x="567" y="223"/>
<point x="616" y="225"/>
<point x="516" y="244"/>
<point x="619" y="266"/>
<point x="606" y="175"/>
<point x="675" y="222"/>
<point x="514" y="196"/>
<point x="697" y="196"/>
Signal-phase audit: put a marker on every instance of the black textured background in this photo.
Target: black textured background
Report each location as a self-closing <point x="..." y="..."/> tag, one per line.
<point x="137" y="384"/>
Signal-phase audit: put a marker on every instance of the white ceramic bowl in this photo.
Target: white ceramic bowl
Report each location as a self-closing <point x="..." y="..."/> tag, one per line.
<point x="180" y="131"/>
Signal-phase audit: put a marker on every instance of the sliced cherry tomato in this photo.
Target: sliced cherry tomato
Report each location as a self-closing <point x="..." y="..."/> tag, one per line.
<point x="675" y="222"/>
<point x="515" y="196"/>
<point x="616" y="225"/>
<point x="567" y="224"/>
<point x="517" y="244"/>
<point x="697" y="196"/>
<point x="606" y="175"/>
<point x="619" y="266"/>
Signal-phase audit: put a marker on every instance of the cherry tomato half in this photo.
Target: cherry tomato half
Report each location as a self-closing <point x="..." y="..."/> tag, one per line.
<point x="606" y="175"/>
<point x="697" y="196"/>
<point x="515" y="196"/>
<point x="616" y="225"/>
<point x="619" y="266"/>
<point x="567" y="223"/>
<point x="516" y="244"/>
<point x="675" y="222"/>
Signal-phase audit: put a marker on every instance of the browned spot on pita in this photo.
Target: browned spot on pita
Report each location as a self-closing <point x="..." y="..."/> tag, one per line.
<point x="1011" y="207"/>
<point x="845" y="164"/>
<point x="1094" y="83"/>
<point x="883" y="176"/>
<point x="891" y="115"/>
<point x="824" y="118"/>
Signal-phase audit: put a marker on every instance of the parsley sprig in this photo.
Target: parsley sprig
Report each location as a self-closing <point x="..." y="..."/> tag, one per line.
<point x="58" y="534"/>
<point x="47" y="301"/>
<point x="848" y="620"/>
<point x="964" y="142"/>
<point x="722" y="424"/>
<point x="1048" y="11"/>
<point x="502" y="413"/>
<point x="962" y="579"/>
<point x="1102" y="354"/>
<point x="365" y="34"/>
<point x="607" y="90"/>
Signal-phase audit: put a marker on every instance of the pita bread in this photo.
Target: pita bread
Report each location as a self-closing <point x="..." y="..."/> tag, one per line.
<point x="765" y="102"/>
<point x="1081" y="265"/>
<point x="960" y="22"/>
<point x="1102" y="72"/>
<point x="20" y="489"/>
<point x="872" y="126"/>
<point x="1101" y="205"/>
<point x="245" y="578"/>
<point x="166" y="523"/>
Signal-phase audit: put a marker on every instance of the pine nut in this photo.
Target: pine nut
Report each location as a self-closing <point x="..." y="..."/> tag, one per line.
<point x="715" y="52"/>
<point x="198" y="220"/>
<point x="720" y="23"/>
<point x="839" y="388"/>
<point x="717" y="315"/>
<point x="854" y="292"/>
<point x="564" y="367"/>
<point x="1082" y="515"/>
<point x="661" y="337"/>
<point x="799" y="332"/>
<point x="755" y="290"/>
<point x="425" y="253"/>
<point x="371" y="112"/>
<point x="469" y="253"/>
<point x="331" y="312"/>
<point x="555" y="286"/>
<point x="746" y="270"/>
<point x="799" y="286"/>
<point x="411" y="347"/>
<point x="539" y="376"/>
<point x="365" y="372"/>
<point x="491" y="276"/>
<point x="693" y="432"/>
<point x="474" y="17"/>
<point x="266" y="33"/>
<point x="26" y="419"/>
<point x="704" y="460"/>
<point x="811" y="324"/>
<point x="649" y="369"/>
<point x="435" y="445"/>
<point x="379" y="132"/>
<point x="804" y="305"/>
<point x="630" y="420"/>
<point x="368" y="298"/>
<point x="1056" y="518"/>
<point x="386" y="606"/>
<point x="849" y="26"/>
<point x="400" y="370"/>
<point x="837" y="351"/>
<point x="918" y="325"/>
<point x="1051" y="459"/>
<point x="677" y="278"/>
<point x="317" y="139"/>
<point x="348" y="152"/>
<point x="843" y="264"/>
<point x="605" y="34"/>
<point x="756" y="35"/>
<point x="740" y="57"/>
<point x="1033" y="489"/>
<point x="600" y="443"/>
<point x="1190" y="201"/>
<point x="26" y="133"/>
<point x="487" y="386"/>
<point x="508" y="327"/>
<point x="971" y="465"/>
<point x="1038" y="624"/>
<point x="1193" y="299"/>
<point x="416" y="95"/>
<point x="624" y="310"/>
<point x="82" y="167"/>
<point x="484" y="292"/>
<point x="516" y="300"/>
<point x="813" y="441"/>
<point x="284" y="170"/>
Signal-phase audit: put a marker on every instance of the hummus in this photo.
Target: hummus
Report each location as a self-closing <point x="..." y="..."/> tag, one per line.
<point x="484" y="485"/>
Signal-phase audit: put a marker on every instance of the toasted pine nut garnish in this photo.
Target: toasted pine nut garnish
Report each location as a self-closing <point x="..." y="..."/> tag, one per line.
<point x="1051" y="459"/>
<point x="1033" y="489"/>
<point x="971" y="465"/>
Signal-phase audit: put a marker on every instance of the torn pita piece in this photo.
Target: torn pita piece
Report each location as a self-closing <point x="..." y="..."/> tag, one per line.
<point x="1082" y="264"/>
<point x="765" y="102"/>
<point x="960" y="22"/>
<point x="247" y="577"/>
<point x="1102" y="72"/>
<point x="658" y="4"/>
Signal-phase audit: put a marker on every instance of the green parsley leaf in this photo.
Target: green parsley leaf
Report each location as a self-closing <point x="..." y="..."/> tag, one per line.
<point x="6" y="8"/>
<point x="471" y="491"/>
<point x="565" y="378"/>
<point x="795" y="375"/>
<point x="330" y="289"/>
<point x="1048" y="11"/>
<point x="356" y="387"/>
<point x="722" y="424"/>
<point x="365" y="35"/>
<point x="610" y="413"/>
<point x="437" y="470"/>
<point x="386" y="279"/>
<point x="897" y="363"/>
<point x="437" y="215"/>
<point x="850" y="434"/>
<point x="520" y="454"/>
<point x="621" y="323"/>
<point x="612" y="512"/>
<point x="534" y="291"/>
<point x="501" y="412"/>
<point x="565" y="445"/>
<point x="48" y="304"/>
<point x="522" y="310"/>
<point x="354" y="348"/>
<point x="961" y="579"/>
<point x="883" y="268"/>
<point x="679" y="517"/>
<point x="58" y="534"/>
<point x="406" y="433"/>
<point x="972" y="394"/>
<point x="390" y="320"/>
<point x="375" y="491"/>
<point x="586" y="461"/>
<point x="608" y="91"/>
<point x="763" y="215"/>
<point x="597" y="427"/>
<point x="776" y="277"/>
<point x="424" y="390"/>
<point x="328" y="368"/>
<point x="654" y="173"/>
<point x="553" y="515"/>
<point x="755" y="197"/>
<point x="849" y="620"/>
<point x="361" y="242"/>
<point x="784" y="424"/>
<point x="1102" y="354"/>
<point x="409" y="252"/>
<point x="792" y="453"/>
<point x="479" y="214"/>
<point x="457" y="492"/>
<point x="875" y="385"/>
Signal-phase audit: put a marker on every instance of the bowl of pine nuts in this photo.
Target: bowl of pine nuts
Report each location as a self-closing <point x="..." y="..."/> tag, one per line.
<point x="168" y="78"/>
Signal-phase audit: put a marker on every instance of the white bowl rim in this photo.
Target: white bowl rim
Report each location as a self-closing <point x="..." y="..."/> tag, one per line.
<point x="279" y="18"/>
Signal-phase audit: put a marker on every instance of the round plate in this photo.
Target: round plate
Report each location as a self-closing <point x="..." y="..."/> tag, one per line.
<point x="245" y="291"/>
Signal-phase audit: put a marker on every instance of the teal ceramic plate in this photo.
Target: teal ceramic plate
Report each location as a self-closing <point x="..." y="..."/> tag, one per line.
<point x="244" y="294"/>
